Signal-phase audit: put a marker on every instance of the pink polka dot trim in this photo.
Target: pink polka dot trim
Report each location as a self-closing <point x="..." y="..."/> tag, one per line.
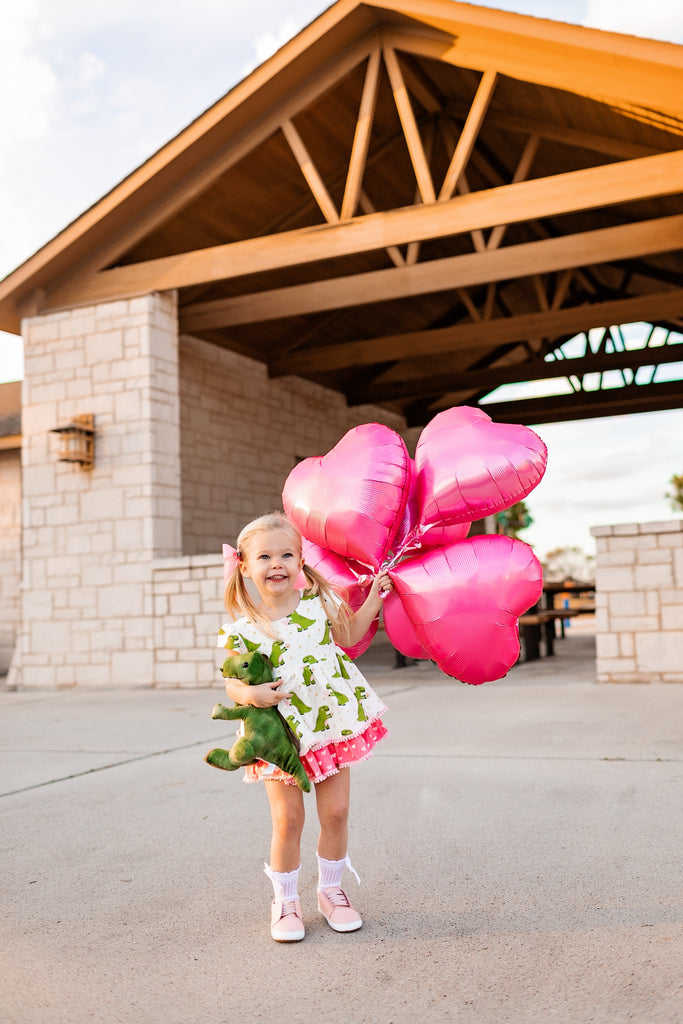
<point x="324" y="761"/>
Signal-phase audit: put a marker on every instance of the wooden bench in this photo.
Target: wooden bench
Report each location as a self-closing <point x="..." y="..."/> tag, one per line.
<point x="539" y="623"/>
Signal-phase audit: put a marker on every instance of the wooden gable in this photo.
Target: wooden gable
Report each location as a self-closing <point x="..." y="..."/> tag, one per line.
<point x="413" y="202"/>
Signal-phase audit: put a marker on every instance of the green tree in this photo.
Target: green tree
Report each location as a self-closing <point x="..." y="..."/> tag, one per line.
<point x="513" y="519"/>
<point x="675" y="496"/>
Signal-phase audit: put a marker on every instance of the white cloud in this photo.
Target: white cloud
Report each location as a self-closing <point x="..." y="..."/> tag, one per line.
<point x="28" y="84"/>
<point x="268" y="42"/>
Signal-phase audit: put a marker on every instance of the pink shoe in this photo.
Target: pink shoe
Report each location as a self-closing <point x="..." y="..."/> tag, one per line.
<point x="336" y="908"/>
<point x="286" y="924"/>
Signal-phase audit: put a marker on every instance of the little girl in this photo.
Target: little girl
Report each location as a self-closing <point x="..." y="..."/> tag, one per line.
<point x="321" y="694"/>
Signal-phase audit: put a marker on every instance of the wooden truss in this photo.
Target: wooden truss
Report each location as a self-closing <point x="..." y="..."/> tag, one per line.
<point x="490" y="335"/>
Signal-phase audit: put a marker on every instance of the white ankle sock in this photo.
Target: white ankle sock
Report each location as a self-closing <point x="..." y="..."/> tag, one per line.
<point x="285" y="883"/>
<point x="330" y="872"/>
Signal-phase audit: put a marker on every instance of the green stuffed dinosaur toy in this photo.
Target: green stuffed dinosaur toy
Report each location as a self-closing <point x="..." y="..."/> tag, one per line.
<point x="267" y="736"/>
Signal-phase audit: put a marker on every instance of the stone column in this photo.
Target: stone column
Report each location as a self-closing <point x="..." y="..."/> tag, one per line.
<point x="639" y="602"/>
<point x="90" y="536"/>
<point x="10" y="552"/>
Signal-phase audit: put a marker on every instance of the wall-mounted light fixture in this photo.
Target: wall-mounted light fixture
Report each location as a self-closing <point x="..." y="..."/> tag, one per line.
<point x="78" y="441"/>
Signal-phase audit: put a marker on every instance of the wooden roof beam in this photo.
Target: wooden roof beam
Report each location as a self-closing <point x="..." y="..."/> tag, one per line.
<point x="310" y="172"/>
<point x="486" y="334"/>
<point x="455" y="272"/>
<point x="521" y="172"/>
<point x="463" y="186"/>
<point x="468" y="135"/>
<point x="590" y="188"/>
<point x="641" y="87"/>
<point x="622" y="149"/>
<point x="361" y="138"/>
<point x="411" y="131"/>
<point x="514" y="373"/>
<point x="583" y="405"/>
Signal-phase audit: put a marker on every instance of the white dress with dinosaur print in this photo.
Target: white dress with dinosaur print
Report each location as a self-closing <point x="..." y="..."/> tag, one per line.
<point x="333" y="710"/>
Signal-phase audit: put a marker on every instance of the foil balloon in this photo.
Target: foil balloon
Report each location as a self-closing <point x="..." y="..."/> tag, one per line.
<point x="464" y="601"/>
<point x="351" y="500"/>
<point x="400" y="629"/>
<point x="469" y="467"/>
<point x="433" y="536"/>
<point x="343" y="577"/>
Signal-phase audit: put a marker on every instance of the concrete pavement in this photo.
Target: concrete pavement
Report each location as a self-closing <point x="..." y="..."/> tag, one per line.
<point x="519" y="845"/>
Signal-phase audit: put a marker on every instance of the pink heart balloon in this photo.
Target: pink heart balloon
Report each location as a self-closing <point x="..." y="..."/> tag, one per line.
<point x="400" y="629"/>
<point x="464" y="601"/>
<point x="433" y="536"/>
<point x="342" y="576"/>
<point x="469" y="467"/>
<point x="351" y="500"/>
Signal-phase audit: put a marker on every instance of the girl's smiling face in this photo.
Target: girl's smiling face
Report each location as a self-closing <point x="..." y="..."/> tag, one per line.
<point x="273" y="561"/>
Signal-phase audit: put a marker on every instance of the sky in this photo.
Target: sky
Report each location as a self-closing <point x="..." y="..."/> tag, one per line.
<point x="96" y="88"/>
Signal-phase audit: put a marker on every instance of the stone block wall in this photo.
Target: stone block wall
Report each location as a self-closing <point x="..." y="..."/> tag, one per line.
<point x="10" y="552"/>
<point x="121" y="569"/>
<point x="242" y="434"/>
<point x="188" y="610"/>
<point x="89" y="537"/>
<point x="639" y="602"/>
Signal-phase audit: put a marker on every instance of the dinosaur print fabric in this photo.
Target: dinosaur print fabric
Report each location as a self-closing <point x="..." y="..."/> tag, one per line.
<point x="333" y="711"/>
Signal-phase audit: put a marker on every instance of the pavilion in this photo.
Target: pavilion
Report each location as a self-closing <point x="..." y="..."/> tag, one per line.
<point x="410" y="204"/>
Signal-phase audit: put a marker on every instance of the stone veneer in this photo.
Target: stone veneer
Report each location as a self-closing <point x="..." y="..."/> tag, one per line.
<point x="89" y="537"/>
<point x="10" y="552"/>
<point x="122" y="573"/>
<point x="639" y="602"/>
<point x="241" y="435"/>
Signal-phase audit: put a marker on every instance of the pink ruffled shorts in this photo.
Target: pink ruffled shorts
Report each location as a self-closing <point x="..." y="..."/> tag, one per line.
<point x="321" y="762"/>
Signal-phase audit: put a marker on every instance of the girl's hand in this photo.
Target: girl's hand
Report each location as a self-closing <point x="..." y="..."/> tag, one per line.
<point x="360" y="621"/>
<point x="265" y="695"/>
<point x="381" y="585"/>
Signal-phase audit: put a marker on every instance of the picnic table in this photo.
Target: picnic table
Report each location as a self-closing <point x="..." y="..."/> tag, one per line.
<point x="539" y="623"/>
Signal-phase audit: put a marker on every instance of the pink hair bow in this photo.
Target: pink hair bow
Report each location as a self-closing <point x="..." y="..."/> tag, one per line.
<point x="230" y="562"/>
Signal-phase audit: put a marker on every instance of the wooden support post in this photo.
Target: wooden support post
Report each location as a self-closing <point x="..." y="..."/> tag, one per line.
<point x="468" y="136"/>
<point x="410" y="128"/>
<point x="310" y="172"/>
<point x="361" y="139"/>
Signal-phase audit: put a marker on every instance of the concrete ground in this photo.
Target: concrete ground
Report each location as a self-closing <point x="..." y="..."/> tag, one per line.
<point x="519" y="845"/>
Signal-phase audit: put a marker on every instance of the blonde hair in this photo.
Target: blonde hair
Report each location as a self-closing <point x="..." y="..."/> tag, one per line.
<point x="238" y="599"/>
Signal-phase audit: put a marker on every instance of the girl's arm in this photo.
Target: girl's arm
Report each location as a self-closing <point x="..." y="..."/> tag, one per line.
<point x="265" y="695"/>
<point x="349" y="632"/>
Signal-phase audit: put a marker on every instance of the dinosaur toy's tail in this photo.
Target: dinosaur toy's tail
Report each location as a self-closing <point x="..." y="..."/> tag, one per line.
<point x="220" y="758"/>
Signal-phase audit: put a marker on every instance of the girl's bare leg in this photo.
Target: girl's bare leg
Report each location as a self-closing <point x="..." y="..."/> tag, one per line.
<point x="332" y="796"/>
<point x="287" y="813"/>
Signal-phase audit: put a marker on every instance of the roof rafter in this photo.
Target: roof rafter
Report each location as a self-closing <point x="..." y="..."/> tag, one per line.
<point x="645" y="177"/>
<point x="514" y="373"/>
<point x="361" y="138"/>
<point x="410" y="128"/>
<point x="623" y="241"/>
<point x="486" y="334"/>
<point x="623" y="149"/>
<point x="468" y="136"/>
<point x="519" y="52"/>
<point x="130" y="213"/>
<point x="584" y="405"/>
